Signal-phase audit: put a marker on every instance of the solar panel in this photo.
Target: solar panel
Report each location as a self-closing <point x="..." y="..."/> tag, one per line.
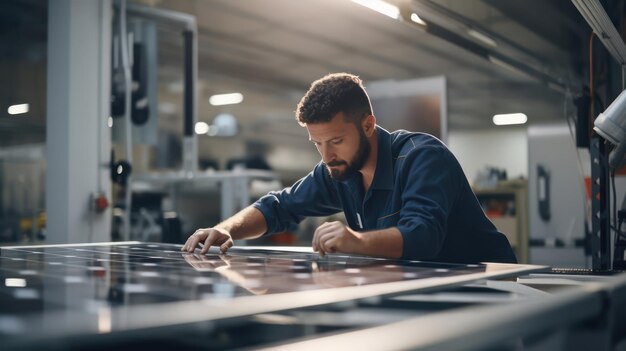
<point x="135" y="285"/>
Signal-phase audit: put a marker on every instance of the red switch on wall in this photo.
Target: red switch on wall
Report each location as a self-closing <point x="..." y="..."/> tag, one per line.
<point x="100" y="203"/>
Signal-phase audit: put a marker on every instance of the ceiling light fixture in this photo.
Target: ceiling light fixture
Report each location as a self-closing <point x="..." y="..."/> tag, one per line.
<point x="226" y="99"/>
<point x="417" y="19"/>
<point x="15" y="282"/>
<point x="600" y="22"/>
<point x="201" y="128"/>
<point x="18" y="109"/>
<point x="381" y="7"/>
<point x="482" y="37"/>
<point x="509" y="119"/>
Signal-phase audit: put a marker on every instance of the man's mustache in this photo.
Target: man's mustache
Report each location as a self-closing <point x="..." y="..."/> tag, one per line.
<point x="336" y="163"/>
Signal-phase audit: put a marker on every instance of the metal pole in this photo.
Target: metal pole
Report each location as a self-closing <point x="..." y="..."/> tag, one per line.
<point x="126" y="64"/>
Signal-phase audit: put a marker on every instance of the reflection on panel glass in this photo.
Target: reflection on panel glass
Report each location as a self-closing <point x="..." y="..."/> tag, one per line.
<point x="62" y="291"/>
<point x="76" y="277"/>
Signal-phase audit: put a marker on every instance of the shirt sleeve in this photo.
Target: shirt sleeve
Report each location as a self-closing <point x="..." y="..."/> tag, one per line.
<point x="430" y="188"/>
<point x="313" y="195"/>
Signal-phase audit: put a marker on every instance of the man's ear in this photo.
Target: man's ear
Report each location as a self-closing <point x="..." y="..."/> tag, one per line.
<point x="369" y="125"/>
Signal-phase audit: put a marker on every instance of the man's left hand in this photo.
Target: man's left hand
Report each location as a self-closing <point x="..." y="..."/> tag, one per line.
<point x="336" y="237"/>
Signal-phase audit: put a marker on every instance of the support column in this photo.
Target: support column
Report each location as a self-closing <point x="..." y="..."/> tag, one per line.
<point x="78" y="140"/>
<point x="600" y="206"/>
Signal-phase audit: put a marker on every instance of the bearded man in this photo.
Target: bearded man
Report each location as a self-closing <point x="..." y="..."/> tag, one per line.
<point x="404" y="194"/>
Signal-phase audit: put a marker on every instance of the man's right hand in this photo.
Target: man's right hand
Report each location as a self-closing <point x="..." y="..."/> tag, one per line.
<point x="209" y="237"/>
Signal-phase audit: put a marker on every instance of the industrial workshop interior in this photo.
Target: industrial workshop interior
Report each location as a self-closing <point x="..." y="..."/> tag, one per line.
<point x="313" y="175"/>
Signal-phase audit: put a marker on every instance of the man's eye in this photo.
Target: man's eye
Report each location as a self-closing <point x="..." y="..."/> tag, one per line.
<point x="337" y="142"/>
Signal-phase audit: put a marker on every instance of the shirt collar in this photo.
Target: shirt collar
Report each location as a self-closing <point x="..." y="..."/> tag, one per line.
<point x="383" y="176"/>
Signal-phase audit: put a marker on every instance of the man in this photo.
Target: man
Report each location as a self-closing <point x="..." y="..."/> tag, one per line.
<point x="404" y="194"/>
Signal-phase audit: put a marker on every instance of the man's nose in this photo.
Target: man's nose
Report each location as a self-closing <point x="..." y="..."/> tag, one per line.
<point x="327" y="154"/>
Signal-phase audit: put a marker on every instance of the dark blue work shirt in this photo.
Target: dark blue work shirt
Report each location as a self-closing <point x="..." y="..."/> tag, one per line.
<point x="418" y="187"/>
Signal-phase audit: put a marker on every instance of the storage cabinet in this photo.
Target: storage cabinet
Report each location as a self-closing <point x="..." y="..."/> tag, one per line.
<point x="506" y="206"/>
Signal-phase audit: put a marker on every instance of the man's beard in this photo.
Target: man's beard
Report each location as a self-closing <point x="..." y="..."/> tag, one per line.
<point x="355" y="165"/>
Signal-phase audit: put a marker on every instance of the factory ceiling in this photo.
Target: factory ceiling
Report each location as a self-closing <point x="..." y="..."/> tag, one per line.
<point x="275" y="48"/>
<point x="270" y="51"/>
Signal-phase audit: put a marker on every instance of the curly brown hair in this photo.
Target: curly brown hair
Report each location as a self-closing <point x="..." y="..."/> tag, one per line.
<point x="331" y="94"/>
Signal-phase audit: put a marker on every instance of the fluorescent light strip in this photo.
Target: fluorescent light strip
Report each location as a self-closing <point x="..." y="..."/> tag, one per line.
<point x="484" y="38"/>
<point x="15" y="282"/>
<point x="18" y="109"/>
<point x="509" y="119"/>
<point x="226" y="99"/>
<point x="381" y="7"/>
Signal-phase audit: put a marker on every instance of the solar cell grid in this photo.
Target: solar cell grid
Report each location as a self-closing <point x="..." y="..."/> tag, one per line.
<point x="148" y="273"/>
<point x="130" y="278"/>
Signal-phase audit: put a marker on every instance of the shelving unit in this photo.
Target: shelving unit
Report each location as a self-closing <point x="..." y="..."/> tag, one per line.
<point x="507" y="207"/>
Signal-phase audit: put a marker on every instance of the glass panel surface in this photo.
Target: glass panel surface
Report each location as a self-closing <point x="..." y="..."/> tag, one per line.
<point x="81" y="281"/>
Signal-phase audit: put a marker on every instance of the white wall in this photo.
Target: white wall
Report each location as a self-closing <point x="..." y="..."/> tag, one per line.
<point x="506" y="148"/>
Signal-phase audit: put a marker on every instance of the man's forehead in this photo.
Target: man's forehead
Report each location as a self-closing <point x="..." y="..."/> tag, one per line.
<point x="328" y="130"/>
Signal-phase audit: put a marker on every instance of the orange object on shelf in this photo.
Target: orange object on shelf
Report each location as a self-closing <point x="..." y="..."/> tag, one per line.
<point x="493" y="213"/>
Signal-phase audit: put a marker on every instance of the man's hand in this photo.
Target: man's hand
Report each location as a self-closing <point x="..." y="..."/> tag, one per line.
<point x="336" y="237"/>
<point x="209" y="237"/>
